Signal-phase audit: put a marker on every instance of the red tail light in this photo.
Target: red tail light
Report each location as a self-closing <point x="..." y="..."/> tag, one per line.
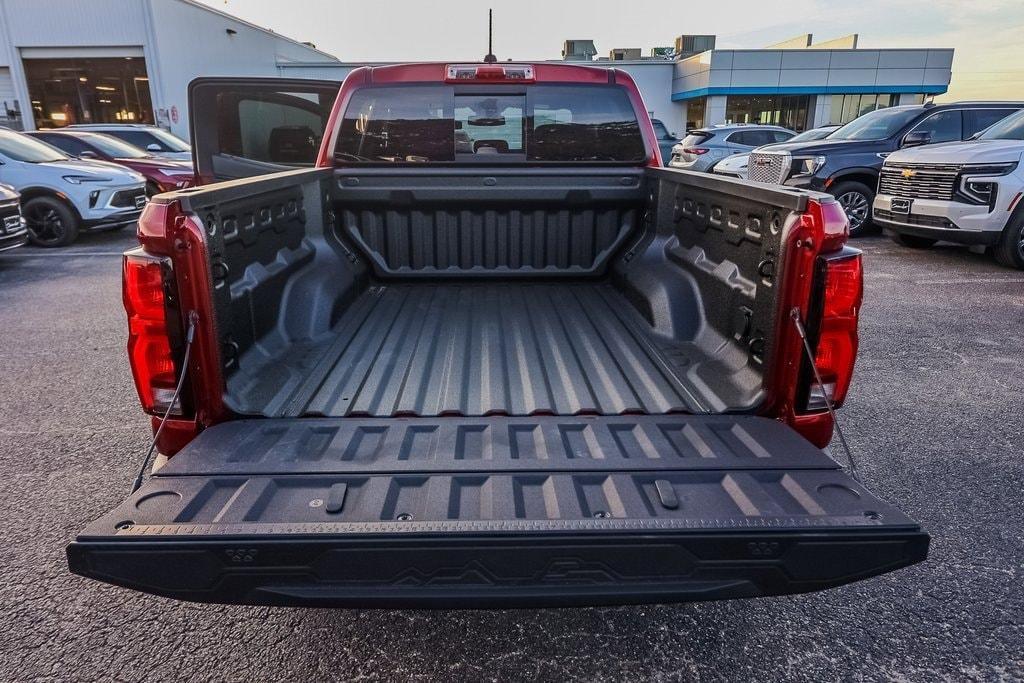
<point x="695" y="150"/>
<point x="836" y="349"/>
<point x="150" y="350"/>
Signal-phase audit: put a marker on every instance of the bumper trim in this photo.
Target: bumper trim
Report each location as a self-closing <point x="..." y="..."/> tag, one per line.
<point x="485" y="572"/>
<point x="956" y="235"/>
<point x="113" y="220"/>
<point x="13" y="240"/>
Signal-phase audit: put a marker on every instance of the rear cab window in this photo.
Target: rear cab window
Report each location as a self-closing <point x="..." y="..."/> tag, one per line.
<point x="493" y="124"/>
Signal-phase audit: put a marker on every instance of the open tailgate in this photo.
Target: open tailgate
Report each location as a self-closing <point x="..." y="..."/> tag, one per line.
<point x="497" y="511"/>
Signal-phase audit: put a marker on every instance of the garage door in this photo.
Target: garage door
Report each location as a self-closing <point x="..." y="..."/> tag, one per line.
<point x="8" y="101"/>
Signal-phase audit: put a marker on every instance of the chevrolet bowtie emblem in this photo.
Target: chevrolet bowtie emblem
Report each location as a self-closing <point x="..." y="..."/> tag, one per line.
<point x="908" y="173"/>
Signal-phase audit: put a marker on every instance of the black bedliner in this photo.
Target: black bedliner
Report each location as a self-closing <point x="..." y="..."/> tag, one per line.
<point x="496" y="511"/>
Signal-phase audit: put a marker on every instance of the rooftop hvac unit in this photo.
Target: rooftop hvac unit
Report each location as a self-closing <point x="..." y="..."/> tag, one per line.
<point x="578" y="50"/>
<point x="620" y="54"/>
<point x="691" y="45"/>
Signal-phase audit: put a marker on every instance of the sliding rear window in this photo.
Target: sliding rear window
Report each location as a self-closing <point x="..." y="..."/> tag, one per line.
<point x="425" y="124"/>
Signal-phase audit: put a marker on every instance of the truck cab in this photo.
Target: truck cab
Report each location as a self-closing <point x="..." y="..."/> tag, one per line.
<point x="481" y="350"/>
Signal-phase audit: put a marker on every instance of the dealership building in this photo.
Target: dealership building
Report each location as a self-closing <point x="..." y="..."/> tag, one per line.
<point x="109" y="61"/>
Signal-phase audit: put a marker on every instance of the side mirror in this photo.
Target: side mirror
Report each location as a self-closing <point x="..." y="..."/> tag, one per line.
<point x="916" y="138"/>
<point x="152" y="147"/>
<point x="673" y="135"/>
<point x="87" y="154"/>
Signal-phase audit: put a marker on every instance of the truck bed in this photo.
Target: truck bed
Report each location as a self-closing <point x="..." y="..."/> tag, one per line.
<point x="511" y="348"/>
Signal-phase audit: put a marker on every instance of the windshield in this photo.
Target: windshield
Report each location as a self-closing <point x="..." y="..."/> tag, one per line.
<point x="144" y="137"/>
<point x="876" y="125"/>
<point x="172" y="142"/>
<point x="1010" y="128"/>
<point x="113" y="147"/>
<point x="660" y="130"/>
<point x="24" y="148"/>
<point x="812" y="134"/>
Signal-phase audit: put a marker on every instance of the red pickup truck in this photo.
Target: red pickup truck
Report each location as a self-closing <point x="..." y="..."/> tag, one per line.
<point x="451" y="336"/>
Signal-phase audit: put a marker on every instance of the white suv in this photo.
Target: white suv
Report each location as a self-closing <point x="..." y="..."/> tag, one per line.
<point x="966" y="192"/>
<point x="61" y="196"/>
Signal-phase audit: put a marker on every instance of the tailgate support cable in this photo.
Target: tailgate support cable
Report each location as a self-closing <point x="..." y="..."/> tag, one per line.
<point x="193" y="317"/>
<point x="795" y="315"/>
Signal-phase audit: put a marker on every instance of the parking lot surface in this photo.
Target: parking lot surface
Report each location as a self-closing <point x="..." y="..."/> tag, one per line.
<point x="935" y="416"/>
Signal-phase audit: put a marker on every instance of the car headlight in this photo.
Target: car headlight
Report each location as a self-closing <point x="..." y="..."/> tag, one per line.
<point x="807" y="165"/>
<point x="79" y="179"/>
<point x="974" y="186"/>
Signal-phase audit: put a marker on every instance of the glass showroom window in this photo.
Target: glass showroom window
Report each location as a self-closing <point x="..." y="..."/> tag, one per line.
<point x="695" y="112"/>
<point x="777" y="110"/>
<point x="846" y="108"/>
<point x="88" y="90"/>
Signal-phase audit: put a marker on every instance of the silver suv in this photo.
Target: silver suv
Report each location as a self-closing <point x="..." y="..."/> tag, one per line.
<point x="702" y="148"/>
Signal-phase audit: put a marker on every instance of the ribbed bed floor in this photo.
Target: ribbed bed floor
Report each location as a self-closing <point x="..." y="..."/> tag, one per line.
<point x="514" y="349"/>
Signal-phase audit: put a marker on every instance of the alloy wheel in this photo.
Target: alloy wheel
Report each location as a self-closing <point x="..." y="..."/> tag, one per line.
<point x="45" y="224"/>
<point x="856" y="207"/>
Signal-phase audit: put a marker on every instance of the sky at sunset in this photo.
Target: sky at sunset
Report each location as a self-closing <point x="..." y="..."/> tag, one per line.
<point x="987" y="36"/>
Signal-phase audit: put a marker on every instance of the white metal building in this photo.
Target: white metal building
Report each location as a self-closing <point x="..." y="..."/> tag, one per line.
<point x="124" y="60"/>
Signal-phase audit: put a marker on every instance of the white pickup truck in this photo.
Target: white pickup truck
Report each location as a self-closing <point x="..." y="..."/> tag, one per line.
<point x="965" y="192"/>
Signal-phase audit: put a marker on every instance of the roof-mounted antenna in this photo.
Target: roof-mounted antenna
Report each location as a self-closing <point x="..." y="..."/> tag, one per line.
<point x="489" y="58"/>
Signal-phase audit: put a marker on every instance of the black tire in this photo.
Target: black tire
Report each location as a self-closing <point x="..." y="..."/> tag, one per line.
<point x="913" y="241"/>
<point x="1010" y="250"/>
<point x="857" y="197"/>
<point x="51" y="222"/>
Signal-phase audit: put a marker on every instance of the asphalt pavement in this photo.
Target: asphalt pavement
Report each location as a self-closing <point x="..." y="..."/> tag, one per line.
<point x="935" y="416"/>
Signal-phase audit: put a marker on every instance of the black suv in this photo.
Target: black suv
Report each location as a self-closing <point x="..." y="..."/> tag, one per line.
<point x="847" y="162"/>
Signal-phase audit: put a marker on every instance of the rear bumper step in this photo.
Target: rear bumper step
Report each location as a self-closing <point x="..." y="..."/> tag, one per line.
<point x="481" y="571"/>
<point x="480" y="512"/>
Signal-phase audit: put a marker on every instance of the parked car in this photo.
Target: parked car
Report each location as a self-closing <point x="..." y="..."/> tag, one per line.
<point x="562" y="384"/>
<point x="61" y="196"/>
<point x="966" y="192"/>
<point x="13" y="232"/>
<point x="666" y="140"/>
<point x="702" y="148"/>
<point x="153" y="139"/>
<point x="736" y="165"/>
<point x="162" y="175"/>
<point x="846" y="163"/>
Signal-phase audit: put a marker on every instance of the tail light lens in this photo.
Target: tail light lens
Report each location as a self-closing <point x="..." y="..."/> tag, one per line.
<point x="150" y="349"/>
<point x="695" y="150"/>
<point x="836" y="338"/>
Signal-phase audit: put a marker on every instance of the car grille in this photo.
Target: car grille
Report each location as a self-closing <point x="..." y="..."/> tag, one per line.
<point x="767" y="167"/>
<point x="10" y="218"/>
<point x="919" y="181"/>
<point x="129" y="199"/>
